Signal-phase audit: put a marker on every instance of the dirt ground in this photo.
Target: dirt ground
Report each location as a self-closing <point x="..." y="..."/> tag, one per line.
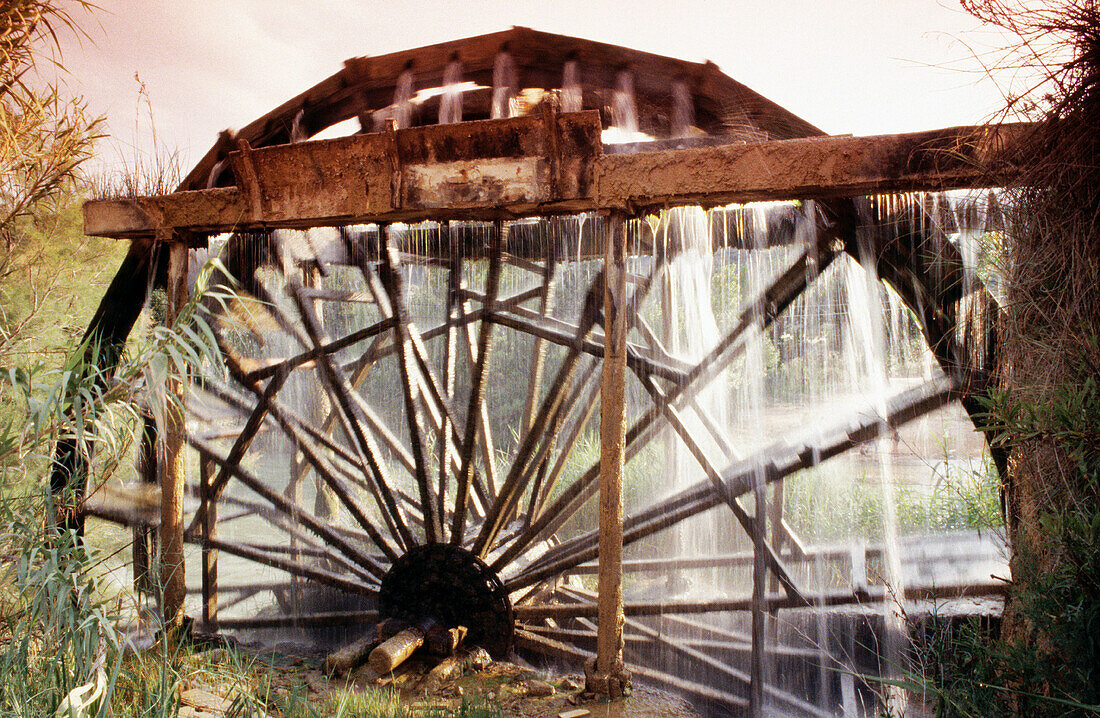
<point x="504" y="688"/>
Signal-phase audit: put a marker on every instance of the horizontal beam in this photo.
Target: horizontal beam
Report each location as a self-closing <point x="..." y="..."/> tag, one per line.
<point x="527" y="166"/>
<point x="876" y="594"/>
<point x="811" y="168"/>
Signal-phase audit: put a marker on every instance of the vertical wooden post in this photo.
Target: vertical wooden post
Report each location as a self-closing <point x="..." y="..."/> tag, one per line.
<point x="173" y="469"/>
<point x="209" y="554"/>
<point x="144" y="545"/>
<point x="607" y="676"/>
<point x="759" y="602"/>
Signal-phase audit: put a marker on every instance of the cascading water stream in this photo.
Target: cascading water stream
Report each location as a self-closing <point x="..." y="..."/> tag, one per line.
<point x="572" y="94"/>
<point x="624" y="110"/>
<point x="504" y="85"/>
<point x="450" y="103"/>
<point x="402" y="99"/>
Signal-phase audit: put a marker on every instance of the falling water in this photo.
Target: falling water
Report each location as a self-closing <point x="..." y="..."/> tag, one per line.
<point x="402" y="99"/>
<point x="572" y="95"/>
<point x="450" y="103"/>
<point x="505" y="83"/>
<point x="624" y="111"/>
<point x="683" y="110"/>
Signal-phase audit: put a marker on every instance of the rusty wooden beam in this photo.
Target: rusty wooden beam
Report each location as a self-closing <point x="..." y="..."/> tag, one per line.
<point x="502" y="168"/>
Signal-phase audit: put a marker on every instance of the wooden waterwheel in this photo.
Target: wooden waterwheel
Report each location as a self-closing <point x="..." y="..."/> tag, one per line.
<point x="414" y="357"/>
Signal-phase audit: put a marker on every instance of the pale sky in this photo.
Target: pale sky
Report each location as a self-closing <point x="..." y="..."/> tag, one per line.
<point x="847" y="66"/>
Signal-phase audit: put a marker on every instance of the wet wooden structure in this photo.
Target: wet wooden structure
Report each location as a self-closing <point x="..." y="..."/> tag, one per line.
<point x="525" y="138"/>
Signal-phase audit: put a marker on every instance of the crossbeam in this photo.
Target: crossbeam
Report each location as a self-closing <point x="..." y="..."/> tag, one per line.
<point x="526" y="166"/>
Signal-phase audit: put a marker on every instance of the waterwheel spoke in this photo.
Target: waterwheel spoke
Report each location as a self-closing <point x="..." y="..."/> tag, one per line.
<point x="295" y="568"/>
<point x="776" y="462"/>
<point x="302" y="359"/>
<point x="538" y="346"/>
<point x="394" y="286"/>
<point x="583" y="393"/>
<point x="450" y="352"/>
<point x="750" y="524"/>
<point x="513" y="486"/>
<point x="341" y="619"/>
<point x="766" y="307"/>
<point x="306" y="518"/>
<point x="293" y="426"/>
<point x="475" y="414"/>
<point x="350" y="422"/>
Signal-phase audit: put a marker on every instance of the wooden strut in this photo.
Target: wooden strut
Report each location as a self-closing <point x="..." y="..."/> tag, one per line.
<point x="768" y="305"/>
<point x="475" y="412"/>
<point x="609" y="652"/>
<point x="394" y="284"/>
<point x="777" y="462"/>
<point x="173" y="583"/>
<point x="363" y="441"/>
<point x="209" y="554"/>
<point x="872" y="595"/>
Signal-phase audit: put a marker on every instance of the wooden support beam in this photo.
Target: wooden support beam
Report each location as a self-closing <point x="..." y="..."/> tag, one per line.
<point x="500" y="168"/>
<point x="609" y="673"/>
<point x="209" y="554"/>
<point x="173" y="469"/>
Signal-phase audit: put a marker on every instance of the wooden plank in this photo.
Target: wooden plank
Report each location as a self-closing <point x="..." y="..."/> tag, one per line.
<point x="350" y="180"/>
<point x="815" y="168"/>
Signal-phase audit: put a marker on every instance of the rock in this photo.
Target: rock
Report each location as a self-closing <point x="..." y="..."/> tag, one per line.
<point x="213" y="655"/>
<point x="575" y="713"/>
<point x="538" y="689"/>
<point x="571" y="683"/>
<point x="479" y="660"/>
<point x="204" y="701"/>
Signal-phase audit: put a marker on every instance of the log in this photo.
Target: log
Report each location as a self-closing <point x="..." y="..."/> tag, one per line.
<point x="350" y="656"/>
<point x="396" y="650"/>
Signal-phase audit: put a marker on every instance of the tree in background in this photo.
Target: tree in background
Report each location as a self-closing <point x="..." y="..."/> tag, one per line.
<point x="1047" y="659"/>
